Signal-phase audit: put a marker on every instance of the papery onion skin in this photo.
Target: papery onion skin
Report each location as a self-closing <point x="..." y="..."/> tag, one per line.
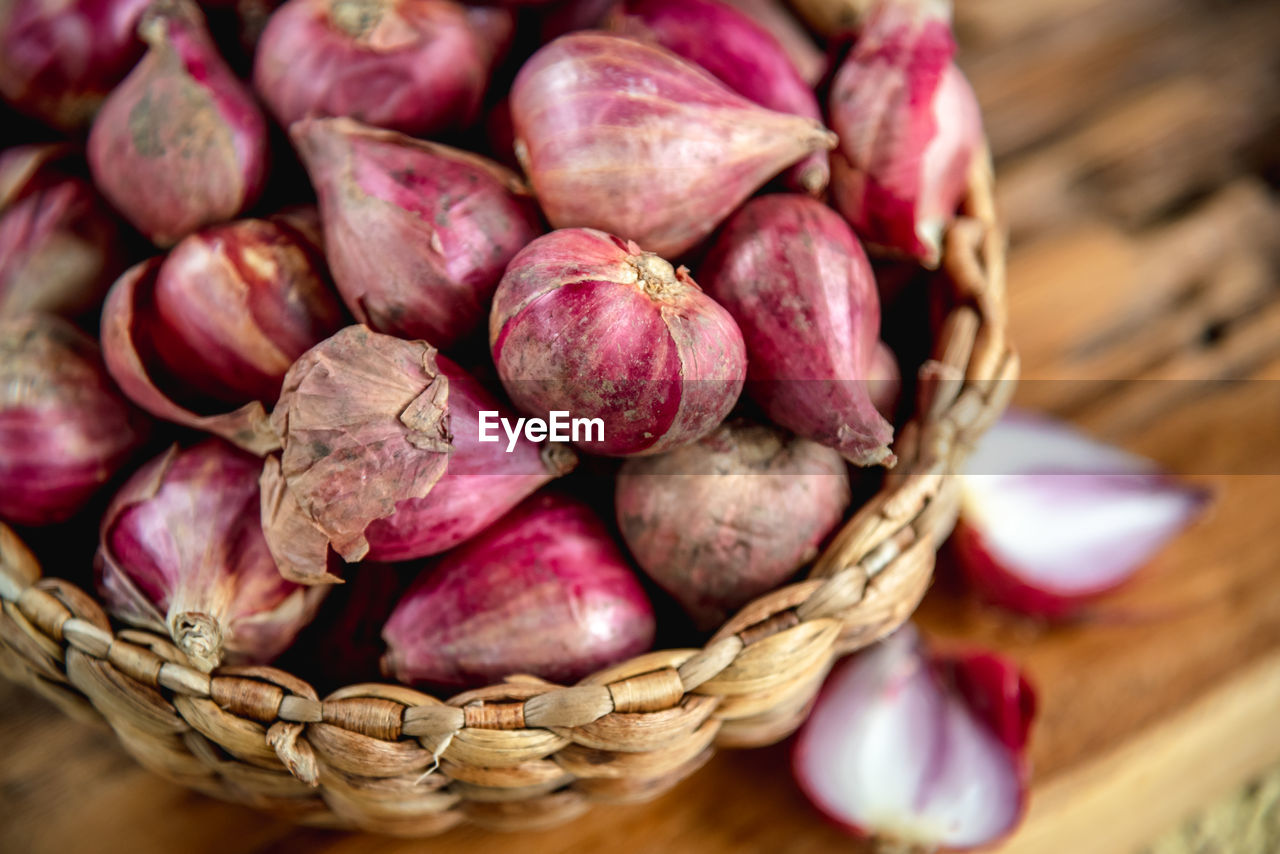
<point x="631" y="139"/>
<point x="1051" y="520"/>
<point x="59" y="244"/>
<point x="483" y="481"/>
<point x="796" y="279"/>
<point x="417" y="234"/>
<point x="236" y="304"/>
<point x="909" y="130"/>
<point x="545" y="591"/>
<point x="919" y="749"/>
<point x="180" y="143"/>
<point x="416" y="66"/>
<point x="65" y="430"/>
<point x="182" y="553"/>
<point x="730" y="517"/>
<point x="587" y="323"/>
<point x="742" y="55"/>
<point x="363" y="423"/>
<point x="884" y="380"/>
<point x="58" y="60"/>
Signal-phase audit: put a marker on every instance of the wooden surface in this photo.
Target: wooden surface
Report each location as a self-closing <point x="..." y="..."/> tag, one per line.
<point x="1135" y="142"/>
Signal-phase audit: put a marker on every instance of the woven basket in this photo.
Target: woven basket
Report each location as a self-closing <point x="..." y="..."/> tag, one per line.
<point x="529" y="754"/>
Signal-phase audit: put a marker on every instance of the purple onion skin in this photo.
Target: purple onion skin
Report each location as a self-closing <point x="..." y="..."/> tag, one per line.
<point x="59" y="245"/>
<point x="64" y="428"/>
<point x="483" y="481"/>
<point x="417" y="234"/>
<point x="732" y="516"/>
<point x="743" y="55"/>
<point x="909" y="129"/>
<point x="182" y="552"/>
<point x="545" y="591"/>
<point x="416" y="66"/>
<point x="236" y="304"/>
<point x="797" y="281"/>
<point x="587" y="323"/>
<point x="58" y="60"/>
<point x="629" y="138"/>
<point x="180" y="144"/>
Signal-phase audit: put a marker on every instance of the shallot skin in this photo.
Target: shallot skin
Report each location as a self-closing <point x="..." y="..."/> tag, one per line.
<point x="772" y="15"/>
<point x="65" y="430"/>
<point x="629" y="138"/>
<point x="180" y="143"/>
<point x="482" y="482"/>
<point x="730" y="517"/>
<point x="417" y="234"/>
<point x="182" y="552"/>
<point x="415" y="66"/>
<point x="909" y="129"/>
<point x="236" y="304"/>
<point x="797" y="281"/>
<point x="545" y="592"/>
<point x="59" y="244"/>
<point x="742" y="55"/>
<point x="58" y="60"/>
<point x="587" y="323"/>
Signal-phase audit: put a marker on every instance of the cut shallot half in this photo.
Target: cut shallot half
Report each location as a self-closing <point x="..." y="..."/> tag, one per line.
<point x="919" y="750"/>
<point x="1050" y="518"/>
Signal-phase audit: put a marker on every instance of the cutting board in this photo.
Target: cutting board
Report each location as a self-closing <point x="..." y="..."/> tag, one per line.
<point x="1133" y="142"/>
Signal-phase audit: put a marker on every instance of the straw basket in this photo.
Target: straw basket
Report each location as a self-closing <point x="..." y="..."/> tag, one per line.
<point x="526" y="753"/>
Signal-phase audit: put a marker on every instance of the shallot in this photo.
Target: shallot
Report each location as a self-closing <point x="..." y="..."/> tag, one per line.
<point x="1051" y="519"/>
<point x="416" y="66"/>
<point x="59" y="245"/>
<point x="730" y="517"/>
<point x="909" y="129"/>
<point x="60" y="58"/>
<point x="64" y="428"/>
<point x="182" y="553"/>
<point x="180" y="143"/>
<point x="743" y="55"/>
<point x="629" y="138"/>
<point x="590" y="324"/>
<point x="545" y="592"/>
<point x="794" y="276"/>
<point x="417" y="234"/>
<point x="204" y="337"/>
<point x="773" y="15"/>
<point x="917" y="749"/>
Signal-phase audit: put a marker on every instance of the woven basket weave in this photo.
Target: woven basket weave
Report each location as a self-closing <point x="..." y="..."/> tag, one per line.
<point x="528" y="754"/>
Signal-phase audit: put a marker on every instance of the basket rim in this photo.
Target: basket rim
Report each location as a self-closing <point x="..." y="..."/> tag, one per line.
<point x="750" y="684"/>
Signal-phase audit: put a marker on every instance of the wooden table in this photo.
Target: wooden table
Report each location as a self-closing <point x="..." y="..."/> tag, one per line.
<point x="1133" y="141"/>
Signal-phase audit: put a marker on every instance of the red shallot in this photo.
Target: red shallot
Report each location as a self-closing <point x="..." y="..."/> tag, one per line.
<point x="794" y="276"/>
<point x="416" y="66"/>
<point x="59" y="244"/>
<point x="917" y="749"/>
<point x="629" y="138"/>
<point x="909" y="129"/>
<point x="180" y="143"/>
<point x="743" y="55"/>
<point x="417" y="234"/>
<point x="60" y="58"/>
<point x="64" y="428"/>
<point x="545" y="591"/>
<point x="732" y="516"/>
<point x="182" y="553"/>
<point x="591" y="325"/>
<point x="1051" y="519"/>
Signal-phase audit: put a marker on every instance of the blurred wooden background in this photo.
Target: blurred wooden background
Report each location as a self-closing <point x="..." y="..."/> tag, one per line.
<point x="1138" y="151"/>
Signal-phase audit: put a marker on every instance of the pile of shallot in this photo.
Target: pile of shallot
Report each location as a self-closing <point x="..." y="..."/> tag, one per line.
<point x="345" y="327"/>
